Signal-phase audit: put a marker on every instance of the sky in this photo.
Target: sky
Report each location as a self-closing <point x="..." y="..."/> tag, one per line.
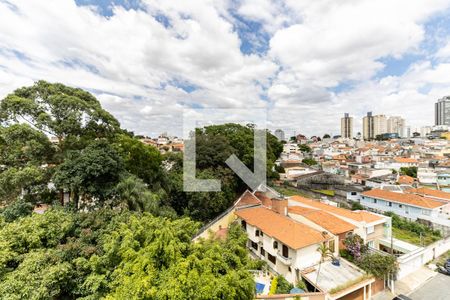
<point x="304" y="62"/>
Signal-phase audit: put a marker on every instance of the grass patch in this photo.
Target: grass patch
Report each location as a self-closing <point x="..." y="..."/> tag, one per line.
<point x="288" y="191"/>
<point x="414" y="238"/>
<point x="325" y="192"/>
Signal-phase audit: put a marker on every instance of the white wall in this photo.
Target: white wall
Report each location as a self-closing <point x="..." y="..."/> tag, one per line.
<point x="413" y="261"/>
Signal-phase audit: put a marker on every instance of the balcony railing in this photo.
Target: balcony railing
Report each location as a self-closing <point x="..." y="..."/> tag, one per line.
<point x="285" y="260"/>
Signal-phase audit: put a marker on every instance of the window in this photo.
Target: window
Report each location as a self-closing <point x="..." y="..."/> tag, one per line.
<point x="275" y="245"/>
<point x="244" y="225"/>
<point x="389" y="203"/>
<point x="285" y="251"/>
<point x="374" y="200"/>
<point x="257" y="232"/>
<point x="370" y="229"/>
<point x="353" y="193"/>
<point x="426" y="212"/>
<point x="289" y="269"/>
<point x="263" y="252"/>
<point x="400" y="205"/>
<point x="371" y="244"/>
<point x="254" y="245"/>
<point x="272" y="258"/>
<point x="406" y="210"/>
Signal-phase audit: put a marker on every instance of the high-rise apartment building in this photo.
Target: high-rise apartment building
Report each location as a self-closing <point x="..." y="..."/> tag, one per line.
<point x="379" y="124"/>
<point x="442" y="111"/>
<point x="374" y="125"/>
<point x="279" y="134"/>
<point x="368" y="133"/>
<point x="347" y="126"/>
<point x="396" y="125"/>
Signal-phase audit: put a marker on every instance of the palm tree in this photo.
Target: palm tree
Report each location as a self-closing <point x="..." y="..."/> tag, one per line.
<point x="324" y="253"/>
<point x="133" y="192"/>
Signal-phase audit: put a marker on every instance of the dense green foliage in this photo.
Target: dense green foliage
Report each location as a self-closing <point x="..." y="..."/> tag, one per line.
<point x="357" y="206"/>
<point x="410" y="171"/>
<point x="283" y="286"/>
<point x="304" y="148"/>
<point x="119" y="224"/>
<point x="376" y="264"/>
<point x="99" y="164"/>
<point x="402" y="223"/>
<point x="414" y="232"/>
<point x="309" y="161"/>
<point x="119" y="256"/>
<point x="379" y="265"/>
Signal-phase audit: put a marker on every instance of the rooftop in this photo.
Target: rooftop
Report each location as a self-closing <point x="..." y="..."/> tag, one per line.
<point x="431" y="193"/>
<point x="407" y="198"/>
<point x="247" y="199"/>
<point x="359" y="215"/>
<point x="332" y="277"/>
<point x="326" y="220"/>
<point x="405" y="160"/>
<point x="289" y="232"/>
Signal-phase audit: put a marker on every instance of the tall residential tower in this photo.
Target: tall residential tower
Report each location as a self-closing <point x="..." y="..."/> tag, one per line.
<point x="374" y="125"/>
<point x="347" y="127"/>
<point x="368" y="133"/>
<point x="442" y="111"/>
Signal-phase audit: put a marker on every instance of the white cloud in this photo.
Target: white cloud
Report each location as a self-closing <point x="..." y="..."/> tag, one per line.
<point x="314" y="46"/>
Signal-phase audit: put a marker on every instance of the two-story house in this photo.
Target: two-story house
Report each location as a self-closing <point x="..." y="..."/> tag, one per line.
<point x="285" y="244"/>
<point x="407" y="205"/>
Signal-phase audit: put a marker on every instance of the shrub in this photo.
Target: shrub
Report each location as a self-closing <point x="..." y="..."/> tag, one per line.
<point x="357" y="206"/>
<point x="273" y="286"/>
<point x="16" y="210"/>
<point x="378" y="265"/>
<point x="283" y="286"/>
<point x="309" y="161"/>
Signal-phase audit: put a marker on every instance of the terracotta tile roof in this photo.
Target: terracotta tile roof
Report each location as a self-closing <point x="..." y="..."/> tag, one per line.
<point x="430" y="192"/>
<point x="360" y="215"/>
<point x="406" y="198"/>
<point x="266" y="201"/>
<point x="405" y="160"/>
<point x="405" y="179"/>
<point x="247" y="198"/>
<point x="289" y="232"/>
<point x="326" y="220"/>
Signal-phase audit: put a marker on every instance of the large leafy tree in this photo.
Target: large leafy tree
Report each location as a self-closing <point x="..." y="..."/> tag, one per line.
<point x="141" y="160"/>
<point x="91" y="173"/>
<point x="222" y="140"/>
<point x="24" y="157"/>
<point x="153" y="258"/>
<point x="72" y="115"/>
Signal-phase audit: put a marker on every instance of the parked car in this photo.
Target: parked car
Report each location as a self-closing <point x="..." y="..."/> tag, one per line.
<point x="444" y="270"/>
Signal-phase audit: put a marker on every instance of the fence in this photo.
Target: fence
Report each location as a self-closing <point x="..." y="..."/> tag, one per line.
<point x="414" y="260"/>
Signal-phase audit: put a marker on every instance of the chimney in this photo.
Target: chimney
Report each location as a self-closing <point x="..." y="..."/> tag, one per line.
<point x="280" y="205"/>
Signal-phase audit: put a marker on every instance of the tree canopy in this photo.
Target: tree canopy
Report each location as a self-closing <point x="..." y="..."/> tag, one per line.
<point x="127" y="230"/>
<point x="111" y="255"/>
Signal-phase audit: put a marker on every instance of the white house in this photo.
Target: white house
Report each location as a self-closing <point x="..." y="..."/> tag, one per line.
<point x="408" y="205"/>
<point x="286" y="245"/>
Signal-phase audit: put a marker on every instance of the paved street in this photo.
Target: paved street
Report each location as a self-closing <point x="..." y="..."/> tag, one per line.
<point x="437" y="288"/>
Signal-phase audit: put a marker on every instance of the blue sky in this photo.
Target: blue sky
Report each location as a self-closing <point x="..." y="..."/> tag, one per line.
<point x="307" y="62"/>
